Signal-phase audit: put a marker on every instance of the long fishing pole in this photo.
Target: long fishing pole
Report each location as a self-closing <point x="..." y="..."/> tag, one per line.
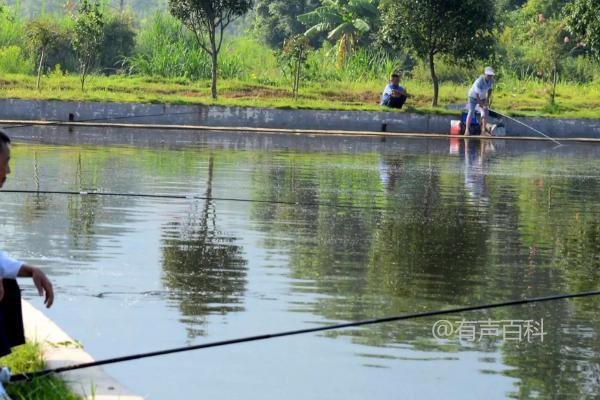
<point x="38" y="374"/>
<point x="191" y="197"/>
<point x="528" y="126"/>
<point x="116" y="118"/>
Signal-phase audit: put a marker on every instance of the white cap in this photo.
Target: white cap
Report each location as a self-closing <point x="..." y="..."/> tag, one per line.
<point x="489" y="71"/>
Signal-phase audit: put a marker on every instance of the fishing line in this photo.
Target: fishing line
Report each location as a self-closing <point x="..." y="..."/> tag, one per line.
<point x="38" y="374"/>
<point x="192" y="197"/>
<point x="57" y="121"/>
<point x="529" y="126"/>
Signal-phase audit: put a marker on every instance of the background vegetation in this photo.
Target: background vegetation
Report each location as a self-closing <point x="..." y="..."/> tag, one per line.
<point x="544" y="51"/>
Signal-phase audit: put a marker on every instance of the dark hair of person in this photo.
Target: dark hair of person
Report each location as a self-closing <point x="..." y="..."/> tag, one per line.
<point x="4" y="139"/>
<point x="394" y="76"/>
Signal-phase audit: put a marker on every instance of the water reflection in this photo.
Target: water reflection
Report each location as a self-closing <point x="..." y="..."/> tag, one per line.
<point x="435" y="230"/>
<point x="202" y="266"/>
<point x="446" y="237"/>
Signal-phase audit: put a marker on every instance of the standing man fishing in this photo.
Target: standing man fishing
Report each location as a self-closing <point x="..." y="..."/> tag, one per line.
<point x="11" y="319"/>
<point x="479" y="96"/>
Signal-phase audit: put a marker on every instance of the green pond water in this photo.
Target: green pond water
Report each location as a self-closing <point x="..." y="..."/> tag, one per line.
<point x="329" y="230"/>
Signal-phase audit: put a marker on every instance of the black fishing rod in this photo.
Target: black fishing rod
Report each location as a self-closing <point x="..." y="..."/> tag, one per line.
<point x="38" y="374"/>
<point x="190" y="197"/>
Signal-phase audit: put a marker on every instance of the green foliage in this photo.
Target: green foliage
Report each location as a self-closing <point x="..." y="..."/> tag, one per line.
<point x="457" y="29"/>
<point x="41" y="35"/>
<point x="118" y="42"/>
<point x="547" y="8"/>
<point x="164" y="48"/>
<point x="344" y="21"/>
<point x="583" y="20"/>
<point x="277" y="20"/>
<point x="294" y="55"/>
<point x="87" y="36"/>
<point x="12" y="31"/>
<point x="12" y="61"/>
<point x="207" y="20"/>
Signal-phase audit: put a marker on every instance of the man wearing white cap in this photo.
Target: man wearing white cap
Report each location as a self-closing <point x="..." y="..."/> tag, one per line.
<point x="479" y="95"/>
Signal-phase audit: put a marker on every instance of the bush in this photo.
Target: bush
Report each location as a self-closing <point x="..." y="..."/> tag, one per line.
<point x="118" y="43"/>
<point x="12" y="61"/>
<point x="580" y="70"/>
<point x="448" y="72"/>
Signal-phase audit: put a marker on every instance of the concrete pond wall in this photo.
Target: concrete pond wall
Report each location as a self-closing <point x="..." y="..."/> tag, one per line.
<point x="172" y="114"/>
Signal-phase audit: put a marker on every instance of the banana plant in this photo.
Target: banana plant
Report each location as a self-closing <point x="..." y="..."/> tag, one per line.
<point x="344" y="21"/>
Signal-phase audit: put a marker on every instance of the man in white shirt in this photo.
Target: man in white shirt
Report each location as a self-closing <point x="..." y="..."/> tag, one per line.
<point x="11" y="318"/>
<point x="479" y="96"/>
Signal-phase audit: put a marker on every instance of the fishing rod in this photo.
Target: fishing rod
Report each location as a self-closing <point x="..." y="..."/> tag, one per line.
<point x="191" y="197"/>
<point x="527" y="126"/>
<point x="57" y="121"/>
<point x="139" y="356"/>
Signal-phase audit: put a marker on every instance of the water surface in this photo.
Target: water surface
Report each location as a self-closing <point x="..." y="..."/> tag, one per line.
<point x="329" y="230"/>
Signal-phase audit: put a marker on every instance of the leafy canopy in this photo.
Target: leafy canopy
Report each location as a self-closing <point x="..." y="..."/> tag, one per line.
<point x="208" y="17"/>
<point x="460" y="29"/>
<point x="583" y="20"/>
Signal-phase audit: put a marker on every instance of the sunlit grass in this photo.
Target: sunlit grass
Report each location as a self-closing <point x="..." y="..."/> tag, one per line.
<point x="514" y="97"/>
<point x="28" y="358"/>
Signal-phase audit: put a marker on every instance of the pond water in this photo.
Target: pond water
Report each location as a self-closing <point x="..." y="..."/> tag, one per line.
<point x="330" y="230"/>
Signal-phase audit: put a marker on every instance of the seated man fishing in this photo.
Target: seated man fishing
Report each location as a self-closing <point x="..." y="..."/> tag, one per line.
<point x="394" y="95"/>
<point x="11" y="319"/>
<point x="479" y="99"/>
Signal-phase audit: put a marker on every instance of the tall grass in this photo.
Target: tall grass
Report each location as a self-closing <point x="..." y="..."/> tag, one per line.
<point x="165" y="48"/>
<point x="12" y="30"/>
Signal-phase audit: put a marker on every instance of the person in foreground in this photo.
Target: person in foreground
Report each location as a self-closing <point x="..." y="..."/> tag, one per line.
<point x="479" y="97"/>
<point x="11" y="319"/>
<point x="394" y="95"/>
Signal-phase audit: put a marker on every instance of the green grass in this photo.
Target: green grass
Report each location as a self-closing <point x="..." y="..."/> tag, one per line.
<point x="521" y="98"/>
<point x="28" y="358"/>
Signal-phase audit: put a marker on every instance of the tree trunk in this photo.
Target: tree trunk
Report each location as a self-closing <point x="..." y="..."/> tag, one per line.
<point x="554" y="83"/>
<point x="40" y="67"/>
<point x="214" y="60"/>
<point x="434" y="79"/>
<point x="297" y="79"/>
<point x="83" y="76"/>
<point x="122" y="6"/>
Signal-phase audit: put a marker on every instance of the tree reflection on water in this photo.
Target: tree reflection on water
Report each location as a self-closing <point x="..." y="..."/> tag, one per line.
<point x="202" y="266"/>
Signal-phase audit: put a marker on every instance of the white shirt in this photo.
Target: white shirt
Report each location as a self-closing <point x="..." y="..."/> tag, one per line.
<point x="9" y="267"/>
<point x="481" y="87"/>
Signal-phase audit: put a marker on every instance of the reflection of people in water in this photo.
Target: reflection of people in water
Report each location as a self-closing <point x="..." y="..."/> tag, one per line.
<point x="389" y="172"/>
<point x="475" y="152"/>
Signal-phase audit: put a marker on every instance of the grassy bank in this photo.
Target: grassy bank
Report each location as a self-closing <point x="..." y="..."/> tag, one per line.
<point x="28" y="358"/>
<point x="528" y="98"/>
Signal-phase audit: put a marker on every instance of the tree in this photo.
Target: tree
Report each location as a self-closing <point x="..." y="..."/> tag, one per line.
<point x="345" y="22"/>
<point x="456" y="29"/>
<point x="277" y="20"/>
<point x="207" y="20"/>
<point x="41" y="34"/>
<point x="549" y="46"/>
<point x="295" y="53"/>
<point x="87" y="36"/>
<point x="583" y="20"/>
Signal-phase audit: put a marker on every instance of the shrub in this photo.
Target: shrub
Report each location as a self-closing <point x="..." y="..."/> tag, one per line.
<point x="118" y="43"/>
<point x="12" y="61"/>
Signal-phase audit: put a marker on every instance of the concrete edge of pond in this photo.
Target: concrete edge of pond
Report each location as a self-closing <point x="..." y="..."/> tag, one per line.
<point x="61" y="350"/>
<point x="273" y="118"/>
